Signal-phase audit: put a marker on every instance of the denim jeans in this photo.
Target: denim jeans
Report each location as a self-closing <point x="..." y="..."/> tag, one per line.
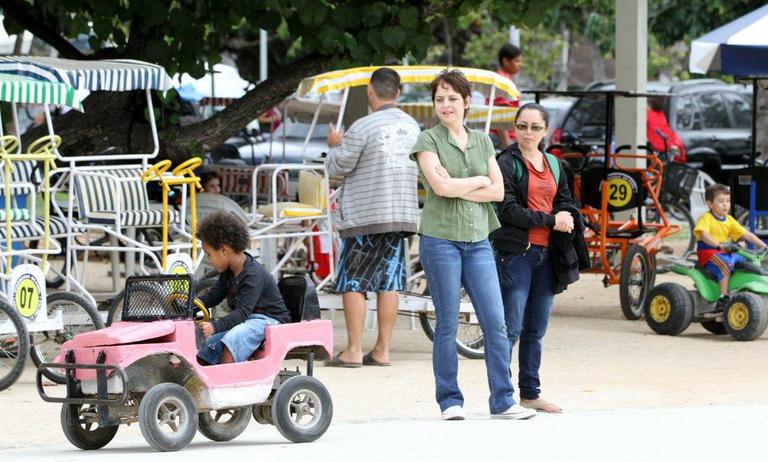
<point x="241" y="340"/>
<point x="526" y="288"/>
<point x="449" y="265"/>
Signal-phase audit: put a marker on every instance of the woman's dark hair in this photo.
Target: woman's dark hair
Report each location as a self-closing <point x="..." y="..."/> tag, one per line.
<point x="534" y="107"/>
<point x="205" y="177"/>
<point x="455" y="79"/>
<point x="508" y="51"/>
<point x="222" y="228"/>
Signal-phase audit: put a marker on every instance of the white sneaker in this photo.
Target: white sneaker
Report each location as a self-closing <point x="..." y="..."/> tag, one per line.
<point x="454" y="413"/>
<point x="516" y="412"/>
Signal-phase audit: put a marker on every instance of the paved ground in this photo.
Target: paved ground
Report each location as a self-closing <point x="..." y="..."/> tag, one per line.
<point x="628" y="395"/>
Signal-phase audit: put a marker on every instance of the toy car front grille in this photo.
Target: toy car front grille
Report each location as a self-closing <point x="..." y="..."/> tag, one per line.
<point x="149" y="298"/>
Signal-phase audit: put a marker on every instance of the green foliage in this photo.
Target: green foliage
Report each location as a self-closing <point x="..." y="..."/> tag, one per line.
<point x="675" y="20"/>
<point x="182" y="35"/>
<point x="482" y="48"/>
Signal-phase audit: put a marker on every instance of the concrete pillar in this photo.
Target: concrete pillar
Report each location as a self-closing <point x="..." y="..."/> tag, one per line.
<point x="631" y="71"/>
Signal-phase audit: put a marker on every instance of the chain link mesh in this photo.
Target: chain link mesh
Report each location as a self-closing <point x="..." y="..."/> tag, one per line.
<point x="149" y="298"/>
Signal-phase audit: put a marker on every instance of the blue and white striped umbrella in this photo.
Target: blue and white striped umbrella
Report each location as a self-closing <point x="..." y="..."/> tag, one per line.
<point x="738" y="48"/>
<point x="106" y="75"/>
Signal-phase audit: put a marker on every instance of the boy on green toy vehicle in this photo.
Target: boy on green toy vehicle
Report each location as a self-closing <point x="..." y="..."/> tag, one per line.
<point x="670" y="308"/>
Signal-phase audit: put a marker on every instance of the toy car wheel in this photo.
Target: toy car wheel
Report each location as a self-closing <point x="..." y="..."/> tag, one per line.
<point x="79" y="316"/>
<point x="634" y="281"/>
<point x="669" y="309"/>
<point x="716" y="327"/>
<point x="224" y="424"/>
<point x="746" y="317"/>
<point x="167" y="417"/>
<point x="262" y="413"/>
<point x="302" y="409"/>
<point x="82" y="429"/>
<point x="14" y="345"/>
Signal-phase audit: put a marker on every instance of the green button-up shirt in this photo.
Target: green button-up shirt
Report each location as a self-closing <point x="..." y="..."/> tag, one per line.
<point x="449" y="217"/>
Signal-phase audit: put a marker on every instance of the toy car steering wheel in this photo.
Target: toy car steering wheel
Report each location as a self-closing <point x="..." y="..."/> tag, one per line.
<point x="187" y="167"/>
<point x="44" y="144"/>
<point x="200" y="307"/>
<point x="9" y="144"/>
<point x="155" y="171"/>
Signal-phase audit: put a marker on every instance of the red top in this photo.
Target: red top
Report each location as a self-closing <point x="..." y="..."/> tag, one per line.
<point x="503" y="102"/>
<point x="657" y="120"/>
<point x="541" y="194"/>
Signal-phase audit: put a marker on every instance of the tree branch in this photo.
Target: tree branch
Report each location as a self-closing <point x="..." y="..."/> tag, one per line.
<point x="214" y="131"/>
<point x="21" y="14"/>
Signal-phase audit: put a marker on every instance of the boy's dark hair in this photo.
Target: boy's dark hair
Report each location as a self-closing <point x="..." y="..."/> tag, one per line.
<point x="222" y="228"/>
<point x="207" y="176"/>
<point x="715" y="190"/>
<point x="508" y="51"/>
<point x="385" y="83"/>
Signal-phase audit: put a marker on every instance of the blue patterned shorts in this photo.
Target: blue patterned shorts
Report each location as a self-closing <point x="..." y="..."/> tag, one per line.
<point x="373" y="263"/>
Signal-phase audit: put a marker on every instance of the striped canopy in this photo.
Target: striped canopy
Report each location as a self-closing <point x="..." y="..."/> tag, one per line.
<point x="483" y="80"/>
<point x="424" y="112"/>
<point x="738" y="48"/>
<point x="106" y="75"/>
<point x="17" y="89"/>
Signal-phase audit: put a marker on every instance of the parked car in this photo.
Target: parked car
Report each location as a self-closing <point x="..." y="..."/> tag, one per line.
<point x="249" y="147"/>
<point x="712" y="118"/>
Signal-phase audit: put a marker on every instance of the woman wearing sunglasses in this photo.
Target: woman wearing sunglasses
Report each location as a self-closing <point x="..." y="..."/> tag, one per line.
<point x="522" y="244"/>
<point x="459" y="171"/>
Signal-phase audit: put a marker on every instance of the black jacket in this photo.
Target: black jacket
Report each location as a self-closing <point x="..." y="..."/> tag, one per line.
<point x="513" y="212"/>
<point x="568" y="250"/>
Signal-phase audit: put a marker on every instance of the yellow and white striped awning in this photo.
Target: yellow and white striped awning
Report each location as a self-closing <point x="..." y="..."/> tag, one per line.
<point x="483" y="80"/>
<point x="424" y="112"/>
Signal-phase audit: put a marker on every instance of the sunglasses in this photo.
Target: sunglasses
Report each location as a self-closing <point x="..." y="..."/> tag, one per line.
<point x="534" y="128"/>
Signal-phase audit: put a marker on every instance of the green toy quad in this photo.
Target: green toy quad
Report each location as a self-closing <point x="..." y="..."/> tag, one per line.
<point x="670" y="308"/>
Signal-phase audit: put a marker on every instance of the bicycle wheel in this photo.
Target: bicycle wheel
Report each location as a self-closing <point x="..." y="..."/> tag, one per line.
<point x="469" y="336"/>
<point x="79" y="316"/>
<point x="14" y="345"/>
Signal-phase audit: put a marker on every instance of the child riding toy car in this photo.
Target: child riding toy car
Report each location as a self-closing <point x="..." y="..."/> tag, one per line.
<point x="144" y="369"/>
<point x="670" y="307"/>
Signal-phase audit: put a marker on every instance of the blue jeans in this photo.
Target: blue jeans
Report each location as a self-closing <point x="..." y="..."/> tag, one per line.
<point x="526" y="287"/>
<point x="449" y="265"/>
<point x="241" y="340"/>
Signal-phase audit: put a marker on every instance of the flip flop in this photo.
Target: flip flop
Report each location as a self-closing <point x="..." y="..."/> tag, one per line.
<point x="369" y="361"/>
<point x="541" y="405"/>
<point x="338" y="362"/>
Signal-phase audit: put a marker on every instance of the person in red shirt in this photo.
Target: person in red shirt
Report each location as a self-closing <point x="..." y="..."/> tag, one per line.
<point x="510" y="63"/>
<point x="660" y="135"/>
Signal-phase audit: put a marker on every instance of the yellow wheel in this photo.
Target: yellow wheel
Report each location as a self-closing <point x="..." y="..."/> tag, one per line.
<point x="738" y="316"/>
<point x="746" y="316"/>
<point x="660" y="308"/>
<point x="155" y="171"/>
<point x="206" y="314"/>
<point x="669" y="309"/>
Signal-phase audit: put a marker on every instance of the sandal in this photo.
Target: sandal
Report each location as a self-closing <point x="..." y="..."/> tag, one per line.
<point x="369" y="361"/>
<point x="338" y="362"/>
<point x="541" y="405"/>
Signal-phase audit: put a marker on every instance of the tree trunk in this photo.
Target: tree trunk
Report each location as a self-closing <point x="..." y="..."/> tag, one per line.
<point x="598" y="64"/>
<point x="117" y="119"/>
<point x="562" y="65"/>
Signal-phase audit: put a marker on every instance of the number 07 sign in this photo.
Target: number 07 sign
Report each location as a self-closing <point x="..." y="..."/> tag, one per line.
<point x="28" y="290"/>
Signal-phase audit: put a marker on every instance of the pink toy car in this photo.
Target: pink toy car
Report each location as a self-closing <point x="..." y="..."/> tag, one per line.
<point x="144" y="369"/>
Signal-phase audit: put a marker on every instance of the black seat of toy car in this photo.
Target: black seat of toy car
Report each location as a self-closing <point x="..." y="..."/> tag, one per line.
<point x="300" y="298"/>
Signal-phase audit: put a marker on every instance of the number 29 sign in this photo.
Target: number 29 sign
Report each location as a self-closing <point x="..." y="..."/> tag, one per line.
<point x="28" y="290"/>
